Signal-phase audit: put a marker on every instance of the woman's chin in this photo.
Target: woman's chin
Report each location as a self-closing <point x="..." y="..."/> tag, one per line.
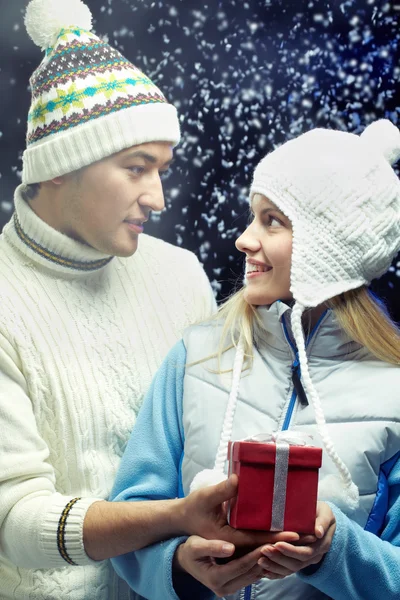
<point x="258" y="299"/>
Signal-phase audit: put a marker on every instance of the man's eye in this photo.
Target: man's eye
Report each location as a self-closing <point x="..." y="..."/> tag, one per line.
<point x="165" y="174"/>
<point x="136" y="170"/>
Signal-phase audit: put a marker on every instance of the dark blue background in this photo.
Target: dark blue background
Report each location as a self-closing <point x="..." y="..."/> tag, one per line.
<point x="245" y="76"/>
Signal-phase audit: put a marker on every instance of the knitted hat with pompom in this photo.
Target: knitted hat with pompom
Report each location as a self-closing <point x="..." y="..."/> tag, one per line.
<point x="88" y="101"/>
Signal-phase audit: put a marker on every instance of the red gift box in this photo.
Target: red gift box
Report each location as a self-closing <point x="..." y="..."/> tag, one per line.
<point x="278" y="484"/>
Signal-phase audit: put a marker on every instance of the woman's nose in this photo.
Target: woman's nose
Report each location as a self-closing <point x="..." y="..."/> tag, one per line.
<point x="248" y="241"/>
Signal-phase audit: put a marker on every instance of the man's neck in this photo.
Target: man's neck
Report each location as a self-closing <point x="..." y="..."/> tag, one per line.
<point x="46" y="206"/>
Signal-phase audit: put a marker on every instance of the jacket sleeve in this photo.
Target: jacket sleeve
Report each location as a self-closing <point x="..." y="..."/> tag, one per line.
<point x="360" y="564"/>
<point x="30" y="506"/>
<point x="149" y="470"/>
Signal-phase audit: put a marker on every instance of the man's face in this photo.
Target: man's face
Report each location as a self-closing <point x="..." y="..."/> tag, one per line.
<point x="106" y="204"/>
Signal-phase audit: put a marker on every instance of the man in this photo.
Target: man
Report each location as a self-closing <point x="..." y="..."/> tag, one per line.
<point x="87" y="313"/>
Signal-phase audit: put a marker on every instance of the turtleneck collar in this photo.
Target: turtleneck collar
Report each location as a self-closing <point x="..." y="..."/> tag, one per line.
<point x="48" y="247"/>
<point x="326" y="340"/>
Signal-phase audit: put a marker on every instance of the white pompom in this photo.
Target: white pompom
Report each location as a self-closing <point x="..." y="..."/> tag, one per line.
<point x="44" y="19"/>
<point x="332" y="488"/>
<point x="205" y="478"/>
<point x="385" y="138"/>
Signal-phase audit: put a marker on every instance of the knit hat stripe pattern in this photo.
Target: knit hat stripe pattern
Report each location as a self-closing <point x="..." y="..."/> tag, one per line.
<point x="88" y="101"/>
<point x="76" y="96"/>
<point x="343" y="199"/>
<point x="99" y="58"/>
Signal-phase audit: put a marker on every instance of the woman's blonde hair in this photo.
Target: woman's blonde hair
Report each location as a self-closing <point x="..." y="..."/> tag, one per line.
<point x="364" y="318"/>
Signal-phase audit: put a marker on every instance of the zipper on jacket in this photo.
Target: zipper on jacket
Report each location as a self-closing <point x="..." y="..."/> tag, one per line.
<point x="246" y="595"/>
<point x="298" y="386"/>
<point x="298" y="390"/>
<point x="289" y="411"/>
<point x="292" y="402"/>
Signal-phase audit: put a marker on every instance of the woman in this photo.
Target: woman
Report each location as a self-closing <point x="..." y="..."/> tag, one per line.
<point x="304" y="345"/>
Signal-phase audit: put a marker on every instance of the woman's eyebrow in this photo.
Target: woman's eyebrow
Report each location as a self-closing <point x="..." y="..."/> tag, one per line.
<point x="269" y="209"/>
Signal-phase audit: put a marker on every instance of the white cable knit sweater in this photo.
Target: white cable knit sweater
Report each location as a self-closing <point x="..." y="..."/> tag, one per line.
<point x="80" y="338"/>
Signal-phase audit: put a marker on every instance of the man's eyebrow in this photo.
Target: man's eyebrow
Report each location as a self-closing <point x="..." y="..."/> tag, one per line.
<point x="148" y="157"/>
<point x="169" y="162"/>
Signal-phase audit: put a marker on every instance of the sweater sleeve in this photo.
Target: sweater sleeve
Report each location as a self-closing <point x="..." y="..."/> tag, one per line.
<point x="360" y="564"/>
<point x="30" y="507"/>
<point x="202" y="300"/>
<point x="149" y="470"/>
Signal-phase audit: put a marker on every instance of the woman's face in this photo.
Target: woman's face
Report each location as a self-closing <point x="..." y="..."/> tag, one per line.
<point x="267" y="243"/>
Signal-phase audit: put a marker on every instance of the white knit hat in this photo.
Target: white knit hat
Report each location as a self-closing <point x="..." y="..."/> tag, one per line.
<point x="88" y="101"/>
<point x="343" y="200"/>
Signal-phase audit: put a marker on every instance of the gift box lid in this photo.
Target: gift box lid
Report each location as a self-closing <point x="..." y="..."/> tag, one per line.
<point x="264" y="453"/>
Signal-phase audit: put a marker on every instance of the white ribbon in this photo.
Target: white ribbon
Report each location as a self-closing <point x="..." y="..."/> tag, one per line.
<point x="294" y="438"/>
<point x="283" y="440"/>
<point x="280" y="485"/>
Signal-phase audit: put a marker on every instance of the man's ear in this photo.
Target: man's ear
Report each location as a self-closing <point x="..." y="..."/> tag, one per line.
<point x="72" y="176"/>
<point x="58" y="180"/>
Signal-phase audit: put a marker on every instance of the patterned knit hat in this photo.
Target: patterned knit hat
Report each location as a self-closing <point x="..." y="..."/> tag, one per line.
<point x="343" y="200"/>
<point x="88" y="101"/>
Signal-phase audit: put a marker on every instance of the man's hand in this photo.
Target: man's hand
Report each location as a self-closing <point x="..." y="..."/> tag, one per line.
<point x="205" y="515"/>
<point x="197" y="557"/>
<point x="283" y="559"/>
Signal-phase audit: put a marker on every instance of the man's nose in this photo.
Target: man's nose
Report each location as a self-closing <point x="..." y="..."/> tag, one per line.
<point x="153" y="195"/>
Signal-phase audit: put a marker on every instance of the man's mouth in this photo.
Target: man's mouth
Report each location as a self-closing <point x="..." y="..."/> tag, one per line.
<point x="135" y="225"/>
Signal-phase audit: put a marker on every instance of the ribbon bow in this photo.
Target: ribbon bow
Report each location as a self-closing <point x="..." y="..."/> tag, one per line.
<point x="294" y="438"/>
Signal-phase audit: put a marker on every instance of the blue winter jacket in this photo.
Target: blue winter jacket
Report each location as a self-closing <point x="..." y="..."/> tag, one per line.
<point x="362" y="563"/>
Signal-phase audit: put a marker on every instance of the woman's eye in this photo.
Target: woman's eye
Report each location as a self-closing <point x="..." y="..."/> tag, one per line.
<point x="268" y="221"/>
<point x="273" y="222"/>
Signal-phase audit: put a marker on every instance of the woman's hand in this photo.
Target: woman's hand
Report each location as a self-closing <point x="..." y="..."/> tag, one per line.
<point x="284" y="558"/>
<point x="198" y="557"/>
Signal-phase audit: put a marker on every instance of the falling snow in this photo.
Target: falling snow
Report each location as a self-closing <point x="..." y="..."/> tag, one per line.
<point x="245" y="76"/>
